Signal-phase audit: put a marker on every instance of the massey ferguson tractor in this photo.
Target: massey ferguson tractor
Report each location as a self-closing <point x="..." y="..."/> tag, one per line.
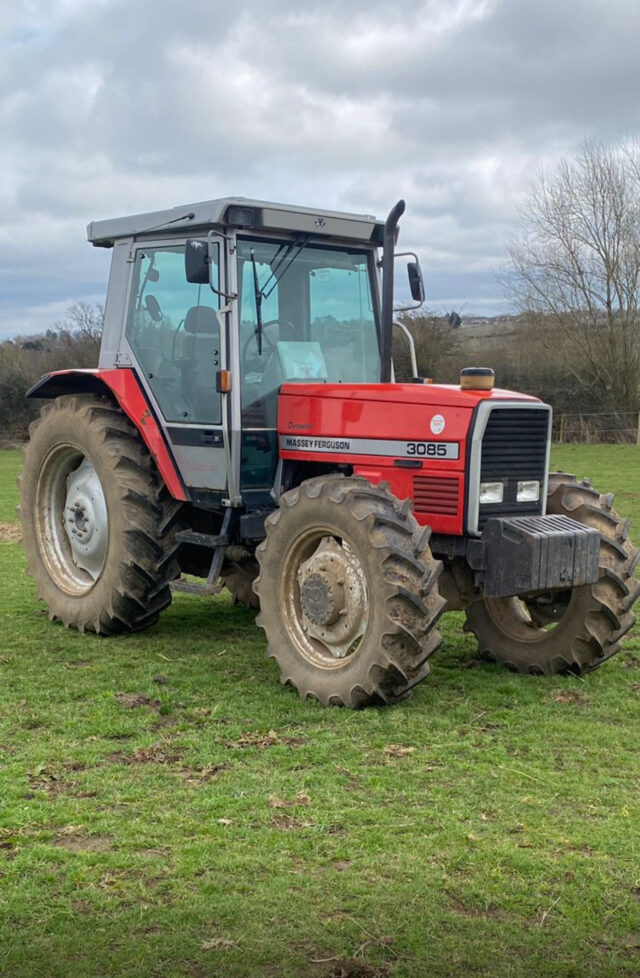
<point x="244" y="426"/>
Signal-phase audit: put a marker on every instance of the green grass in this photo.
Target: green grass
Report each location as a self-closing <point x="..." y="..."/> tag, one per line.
<point x="10" y="465"/>
<point x="488" y="826"/>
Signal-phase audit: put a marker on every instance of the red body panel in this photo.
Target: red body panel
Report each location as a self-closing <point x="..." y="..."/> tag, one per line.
<point x="309" y="413"/>
<point x="126" y="389"/>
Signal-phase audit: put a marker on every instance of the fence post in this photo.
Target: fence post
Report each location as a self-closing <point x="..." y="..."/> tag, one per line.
<point x="561" y="436"/>
<point x="638" y="430"/>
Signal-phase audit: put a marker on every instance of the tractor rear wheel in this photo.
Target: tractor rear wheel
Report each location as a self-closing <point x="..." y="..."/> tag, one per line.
<point x="569" y="630"/>
<point x="348" y="593"/>
<point x="98" y="525"/>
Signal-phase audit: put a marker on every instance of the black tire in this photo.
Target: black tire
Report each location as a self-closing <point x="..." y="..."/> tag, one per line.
<point x="573" y="630"/>
<point x="348" y="593"/>
<point x="238" y="577"/>
<point x="137" y="549"/>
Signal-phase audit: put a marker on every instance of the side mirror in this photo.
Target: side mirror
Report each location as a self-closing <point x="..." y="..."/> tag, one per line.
<point x="196" y="262"/>
<point x="416" y="285"/>
<point x="152" y="306"/>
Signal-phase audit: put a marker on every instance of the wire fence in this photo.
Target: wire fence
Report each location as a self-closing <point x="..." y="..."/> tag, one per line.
<point x="613" y="427"/>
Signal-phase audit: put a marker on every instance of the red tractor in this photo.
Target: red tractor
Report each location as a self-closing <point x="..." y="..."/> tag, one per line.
<point x="244" y="426"/>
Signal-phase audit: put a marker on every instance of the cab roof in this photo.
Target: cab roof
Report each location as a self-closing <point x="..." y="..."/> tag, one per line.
<point x="238" y="212"/>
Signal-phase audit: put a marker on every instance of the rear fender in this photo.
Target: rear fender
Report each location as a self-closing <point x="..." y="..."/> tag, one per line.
<point x="124" y="386"/>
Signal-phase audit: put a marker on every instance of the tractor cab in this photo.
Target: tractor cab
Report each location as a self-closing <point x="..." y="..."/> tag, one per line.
<point x="218" y="306"/>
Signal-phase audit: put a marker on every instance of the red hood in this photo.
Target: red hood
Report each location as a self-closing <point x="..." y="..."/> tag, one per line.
<point x="440" y="395"/>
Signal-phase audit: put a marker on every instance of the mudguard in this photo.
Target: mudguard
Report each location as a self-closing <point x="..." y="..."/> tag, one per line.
<point x="124" y="386"/>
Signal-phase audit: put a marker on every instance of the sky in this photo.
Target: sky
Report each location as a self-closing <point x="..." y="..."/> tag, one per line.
<point x="111" y="107"/>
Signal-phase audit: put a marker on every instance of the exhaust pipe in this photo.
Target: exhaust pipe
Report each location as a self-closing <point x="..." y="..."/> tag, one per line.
<point x="388" y="243"/>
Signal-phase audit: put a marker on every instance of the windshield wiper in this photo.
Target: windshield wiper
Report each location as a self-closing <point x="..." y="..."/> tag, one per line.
<point x="259" y="297"/>
<point x="280" y="266"/>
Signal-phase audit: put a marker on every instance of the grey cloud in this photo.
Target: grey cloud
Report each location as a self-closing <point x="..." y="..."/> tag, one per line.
<point x="113" y="107"/>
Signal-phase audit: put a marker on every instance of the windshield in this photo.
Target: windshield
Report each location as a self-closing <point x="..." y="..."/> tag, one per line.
<point x="306" y="313"/>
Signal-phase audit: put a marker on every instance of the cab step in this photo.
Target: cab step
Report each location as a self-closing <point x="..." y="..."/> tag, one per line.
<point x="218" y="543"/>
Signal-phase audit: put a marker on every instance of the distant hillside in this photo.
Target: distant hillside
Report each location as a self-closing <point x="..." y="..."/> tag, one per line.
<point x="487" y="332"/>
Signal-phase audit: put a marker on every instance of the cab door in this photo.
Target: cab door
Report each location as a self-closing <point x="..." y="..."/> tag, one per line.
<point x="175" y="339"/>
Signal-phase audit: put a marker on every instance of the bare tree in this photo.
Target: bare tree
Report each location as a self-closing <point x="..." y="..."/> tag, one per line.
<point x="576" y="260"/>
<point x="83" y="320"/>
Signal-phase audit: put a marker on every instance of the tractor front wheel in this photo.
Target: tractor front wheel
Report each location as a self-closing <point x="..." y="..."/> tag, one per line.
<point x="98" y="525"/>
<point x="348" y="593"/>
<point x="568" y="630"/>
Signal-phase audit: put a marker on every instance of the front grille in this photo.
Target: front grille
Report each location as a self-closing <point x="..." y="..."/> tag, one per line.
<point x="514" y="449"/>
<point x="436" y="495"/>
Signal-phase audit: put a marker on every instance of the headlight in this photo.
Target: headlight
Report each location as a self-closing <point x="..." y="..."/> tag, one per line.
<point x="528" y="492"/>
<point x="491" y="492"/>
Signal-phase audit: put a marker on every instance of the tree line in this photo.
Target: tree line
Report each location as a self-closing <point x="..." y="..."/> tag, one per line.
<point x="71" y="342"/>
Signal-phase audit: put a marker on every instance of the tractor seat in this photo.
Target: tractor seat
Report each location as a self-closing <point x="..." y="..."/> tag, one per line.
<point x="202" y="321"/>
<point x="202" y="349"/>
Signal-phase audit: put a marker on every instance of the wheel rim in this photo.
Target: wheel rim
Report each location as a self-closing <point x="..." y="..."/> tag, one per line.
<point x="71" y="520"/>
<point x="325" y="598"/>
<point x="530" y="618"/>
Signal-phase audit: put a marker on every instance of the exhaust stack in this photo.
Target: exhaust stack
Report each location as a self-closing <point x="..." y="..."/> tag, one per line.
<point x="389" y="240"/>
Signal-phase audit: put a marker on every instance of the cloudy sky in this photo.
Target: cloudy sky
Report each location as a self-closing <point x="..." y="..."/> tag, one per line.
<point x="110" y="107"/>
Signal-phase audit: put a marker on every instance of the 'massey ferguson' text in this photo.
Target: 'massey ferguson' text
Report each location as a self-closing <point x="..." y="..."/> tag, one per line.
<point x="372" y="446"/>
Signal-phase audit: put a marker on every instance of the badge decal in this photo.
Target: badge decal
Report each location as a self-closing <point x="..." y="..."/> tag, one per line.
<point x="371" y="446"/>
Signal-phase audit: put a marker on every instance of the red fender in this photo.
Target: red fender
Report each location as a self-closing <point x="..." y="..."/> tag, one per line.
<point x="126" y="389"/>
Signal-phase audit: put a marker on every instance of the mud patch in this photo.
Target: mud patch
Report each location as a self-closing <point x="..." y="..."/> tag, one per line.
<point x="288" y="823"/>
<point x="130" y="701"/>
<point x="630" y="661"/>
<point x="398" y="750"/>
<point x="10" y="533"/>
<point x="8" y="847"/>
<point x="160" y="753"/>
<point x="199" y="776"/>
<point x="46" y="779"/>
<point x="218" y="944"/>
<point x="569" y="696"/>
<point x="270" y="739"/>
<point x="77" y="841"/>
<point x="300" y="799"/>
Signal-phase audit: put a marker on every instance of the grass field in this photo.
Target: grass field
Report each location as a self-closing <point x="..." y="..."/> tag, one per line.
<point x="168" y="809"/>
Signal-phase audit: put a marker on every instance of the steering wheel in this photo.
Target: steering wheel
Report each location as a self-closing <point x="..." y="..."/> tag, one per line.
<point x="271" y="347"/>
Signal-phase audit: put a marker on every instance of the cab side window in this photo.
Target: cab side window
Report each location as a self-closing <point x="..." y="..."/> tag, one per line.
<point x="174" y="332"/>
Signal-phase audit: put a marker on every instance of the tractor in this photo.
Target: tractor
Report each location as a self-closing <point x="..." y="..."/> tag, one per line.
<point x="244" y="427"/>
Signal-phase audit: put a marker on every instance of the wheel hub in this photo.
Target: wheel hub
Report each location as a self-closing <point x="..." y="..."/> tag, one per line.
<point x="322" y="597"/>
<point x="85" y="519"/>
<point x="333" y="598"/>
